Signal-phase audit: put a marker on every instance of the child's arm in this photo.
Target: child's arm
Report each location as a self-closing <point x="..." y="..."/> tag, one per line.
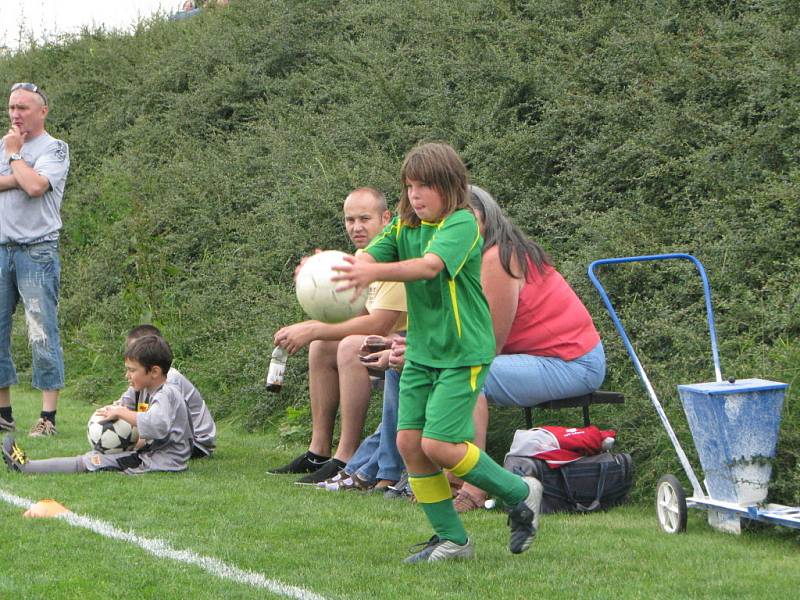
<point x="362" y="270"/>
<point x="112" y="412"/>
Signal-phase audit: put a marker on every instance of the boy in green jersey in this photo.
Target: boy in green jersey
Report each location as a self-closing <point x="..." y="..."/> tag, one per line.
<point x="434" y="247"/>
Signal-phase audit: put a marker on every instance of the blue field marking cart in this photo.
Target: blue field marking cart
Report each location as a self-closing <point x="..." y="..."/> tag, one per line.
<point x="734" y="425"/>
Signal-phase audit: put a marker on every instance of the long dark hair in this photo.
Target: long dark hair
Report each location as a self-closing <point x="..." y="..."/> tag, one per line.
<point x="499" y="231"/>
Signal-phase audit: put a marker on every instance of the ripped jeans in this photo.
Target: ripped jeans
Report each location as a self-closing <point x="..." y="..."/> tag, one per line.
<point x="33" y="273"/>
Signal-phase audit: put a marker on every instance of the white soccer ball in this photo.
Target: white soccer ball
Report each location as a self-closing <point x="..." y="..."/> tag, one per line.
<point x="111" y="437"/>
<point x="317" y="293"/>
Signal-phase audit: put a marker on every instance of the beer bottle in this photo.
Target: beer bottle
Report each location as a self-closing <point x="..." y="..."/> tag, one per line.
<point x="277" y="367"/>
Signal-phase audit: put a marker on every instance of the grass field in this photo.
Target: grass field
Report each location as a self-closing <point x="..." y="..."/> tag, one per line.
<point x="342" y="545"/>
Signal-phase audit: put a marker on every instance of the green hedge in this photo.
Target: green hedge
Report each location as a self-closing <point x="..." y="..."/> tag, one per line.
<point x="210" y="154"/>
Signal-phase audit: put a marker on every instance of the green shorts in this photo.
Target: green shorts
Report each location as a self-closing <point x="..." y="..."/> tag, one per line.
<point x="440" y="401"/>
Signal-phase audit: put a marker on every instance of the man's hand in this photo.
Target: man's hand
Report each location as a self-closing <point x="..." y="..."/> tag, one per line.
<point x="297" y="336"/>
<point x="13" y="141"/>
<point x="303" y="261"/>
<point x="377" y="361"/>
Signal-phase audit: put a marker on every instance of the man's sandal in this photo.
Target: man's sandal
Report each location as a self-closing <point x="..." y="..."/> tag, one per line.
<point x="465" y="502"/>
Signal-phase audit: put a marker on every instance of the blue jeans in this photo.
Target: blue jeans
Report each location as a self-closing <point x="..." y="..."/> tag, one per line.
<point x="377" y="457"/>
<point x="32" y="273"/>
<point x="525" y="380"/>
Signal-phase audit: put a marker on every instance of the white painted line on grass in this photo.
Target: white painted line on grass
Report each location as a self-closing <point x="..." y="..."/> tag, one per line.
<point x="162" y="549"/>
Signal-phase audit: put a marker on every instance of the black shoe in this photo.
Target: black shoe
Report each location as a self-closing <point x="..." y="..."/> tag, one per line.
<point x="328" y="470"/>
<point x="302" y="464"/>
<point x="401" y="489"/>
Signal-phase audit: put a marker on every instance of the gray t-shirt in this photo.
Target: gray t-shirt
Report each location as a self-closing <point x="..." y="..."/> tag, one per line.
<point x="26" y="220"/>
<point x="205" y="430"/>
<point x="166" y="424"/>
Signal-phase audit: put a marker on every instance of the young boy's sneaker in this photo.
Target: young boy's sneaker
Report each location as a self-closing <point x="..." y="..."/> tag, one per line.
<point x="523" y="519"/>
<point x="302" y="464"/>
<point x="13" y="455"/>
<point x="7" y="425"/>
<point x="437" y="549"/>
<point x="326" y="471"/>
<point x="42" y="427"/>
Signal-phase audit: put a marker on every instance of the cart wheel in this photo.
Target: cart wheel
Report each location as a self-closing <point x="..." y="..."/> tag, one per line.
<point x="671" y="504"/>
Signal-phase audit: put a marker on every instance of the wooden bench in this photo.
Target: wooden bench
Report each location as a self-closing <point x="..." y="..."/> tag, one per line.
<point x="584" y="402"/>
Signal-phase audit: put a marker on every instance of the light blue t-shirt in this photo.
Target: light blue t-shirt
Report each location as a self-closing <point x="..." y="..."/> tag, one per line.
<point x="26" y="220"/>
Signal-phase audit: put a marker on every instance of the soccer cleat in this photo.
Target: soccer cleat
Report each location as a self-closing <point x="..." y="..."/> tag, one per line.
<point x="437" y="549"/>
<point x="42" y="427"/>
<point x="13" y="455"/>
<point x="328" y="470"/>
<point x="302" y="464"/>
<point x="523" y="519"/>
<point x="7" y="425"/>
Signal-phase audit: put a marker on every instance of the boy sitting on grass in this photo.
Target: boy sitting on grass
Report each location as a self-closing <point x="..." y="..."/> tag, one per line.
<point x="165" y="432"/>
<point x="204" y="436"/>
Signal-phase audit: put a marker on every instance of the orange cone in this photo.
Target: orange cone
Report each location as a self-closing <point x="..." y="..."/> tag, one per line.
<point x="45" y="509"/>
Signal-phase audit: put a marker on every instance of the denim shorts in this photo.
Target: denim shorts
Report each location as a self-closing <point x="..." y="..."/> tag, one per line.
<point x="32" y="273"/>
<point x="525" y="380"/>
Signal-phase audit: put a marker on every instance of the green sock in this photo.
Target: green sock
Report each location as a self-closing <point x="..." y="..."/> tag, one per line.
<point x="445" y="521"/>
<point x="480" y="470"/>
<point x="433" y="495"/>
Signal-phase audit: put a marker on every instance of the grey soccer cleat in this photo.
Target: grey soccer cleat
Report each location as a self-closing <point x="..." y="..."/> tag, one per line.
<point x="523" y="519"/>
<point x="437" y="549"/>
<point x="13" y="455"/>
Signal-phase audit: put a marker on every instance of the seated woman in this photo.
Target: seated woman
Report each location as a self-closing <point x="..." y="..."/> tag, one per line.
<point x="547" y="345"/>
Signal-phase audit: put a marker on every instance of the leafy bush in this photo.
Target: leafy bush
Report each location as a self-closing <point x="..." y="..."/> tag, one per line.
<point x="210" y="154"/>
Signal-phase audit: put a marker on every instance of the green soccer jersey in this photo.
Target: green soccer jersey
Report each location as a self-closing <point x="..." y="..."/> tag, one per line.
<point x="449" y="324"/>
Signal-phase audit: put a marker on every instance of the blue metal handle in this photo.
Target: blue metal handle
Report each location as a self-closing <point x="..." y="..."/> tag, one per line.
<point x="618" y="324"/>
<point x="697" y="488"/>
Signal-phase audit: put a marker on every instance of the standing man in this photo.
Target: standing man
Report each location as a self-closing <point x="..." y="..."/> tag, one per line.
<point x="33" y="172"/>
<point x="337" y="379"/>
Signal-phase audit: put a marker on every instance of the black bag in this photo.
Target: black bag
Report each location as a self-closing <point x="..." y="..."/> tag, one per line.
<point x="586" y="485"/>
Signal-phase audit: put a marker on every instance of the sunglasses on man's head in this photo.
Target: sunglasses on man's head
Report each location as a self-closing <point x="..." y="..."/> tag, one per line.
<point x="31" y="87"/>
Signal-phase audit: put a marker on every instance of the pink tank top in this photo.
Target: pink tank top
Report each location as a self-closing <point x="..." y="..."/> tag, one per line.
<point x="551" y="320"/>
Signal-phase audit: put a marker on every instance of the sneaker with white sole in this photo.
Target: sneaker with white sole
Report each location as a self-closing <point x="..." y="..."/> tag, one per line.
<point x="436" y="549"/>
<point x="13" y="455"/>
<point x="326" y="471"/>
<point x="42" y="427"/>
<point x="523" y="519"/>
<point x="7" y="425"/>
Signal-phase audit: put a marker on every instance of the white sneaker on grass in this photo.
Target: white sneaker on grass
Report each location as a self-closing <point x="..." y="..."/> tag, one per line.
<point x="436" y="549"/>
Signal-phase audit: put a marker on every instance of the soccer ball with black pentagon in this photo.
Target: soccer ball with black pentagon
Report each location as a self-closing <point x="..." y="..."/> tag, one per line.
<point x="111" y="437"/>
<point x="317" y="293"/>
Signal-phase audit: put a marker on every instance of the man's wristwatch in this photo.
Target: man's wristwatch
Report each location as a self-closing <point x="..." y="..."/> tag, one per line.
<point x="13" y="157"/>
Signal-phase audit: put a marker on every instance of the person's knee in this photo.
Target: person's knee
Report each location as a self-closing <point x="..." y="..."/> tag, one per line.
<point x="408" y="444"/>
<point x="322" y="354"/>
<point x="436" y="450"/>
<point x="349" y="347"/>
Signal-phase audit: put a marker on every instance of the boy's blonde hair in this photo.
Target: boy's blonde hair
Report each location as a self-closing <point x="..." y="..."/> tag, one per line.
<point x="439" y="166"/>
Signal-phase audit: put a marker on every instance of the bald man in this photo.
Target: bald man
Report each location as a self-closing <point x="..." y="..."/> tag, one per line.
<point x="33" y="173"/>
<point x="337" y="378"/>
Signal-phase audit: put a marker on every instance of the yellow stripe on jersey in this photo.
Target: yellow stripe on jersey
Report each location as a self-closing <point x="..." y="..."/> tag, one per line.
<point x="454" y="300"/>
<point x="466" y="464"/>
<point x="429" y="489"/>
<point x="466" y="256"/>
<point x="473" y="376"/>
<point x="398" y="225"/>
